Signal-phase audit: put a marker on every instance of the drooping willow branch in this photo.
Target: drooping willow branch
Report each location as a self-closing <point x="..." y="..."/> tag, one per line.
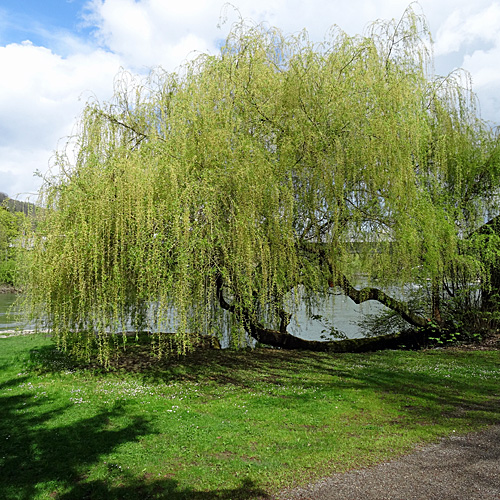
<point x="275" y="338"/>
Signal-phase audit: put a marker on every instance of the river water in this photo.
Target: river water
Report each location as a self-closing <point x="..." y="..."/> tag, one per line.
<point x="338" y="311"/>
<point x="9" y="318"/>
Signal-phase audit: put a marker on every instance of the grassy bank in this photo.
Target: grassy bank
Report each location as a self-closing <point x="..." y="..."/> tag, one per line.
<point x="224" y="425"/>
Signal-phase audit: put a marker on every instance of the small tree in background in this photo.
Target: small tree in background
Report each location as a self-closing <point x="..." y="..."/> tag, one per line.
<point x="217" y="198"/>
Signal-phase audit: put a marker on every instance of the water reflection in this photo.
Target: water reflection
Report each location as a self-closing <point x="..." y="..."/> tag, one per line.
<point x="10" y="319"/>
<point x="337" y="310"/>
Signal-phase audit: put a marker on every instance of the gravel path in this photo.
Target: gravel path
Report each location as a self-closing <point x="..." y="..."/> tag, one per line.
<point x="458" y="468"/>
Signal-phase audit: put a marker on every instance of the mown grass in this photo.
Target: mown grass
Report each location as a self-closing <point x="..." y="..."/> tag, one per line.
<point x="224" y="424"/>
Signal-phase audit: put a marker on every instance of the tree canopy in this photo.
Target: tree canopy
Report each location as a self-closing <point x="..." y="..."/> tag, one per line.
<point x="216" y="198"/>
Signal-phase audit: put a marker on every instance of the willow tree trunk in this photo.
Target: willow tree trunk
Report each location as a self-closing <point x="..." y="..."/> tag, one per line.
<point x="411" y="339"/>
<point x="282" y="339"/>
<point x="490" y="299"/>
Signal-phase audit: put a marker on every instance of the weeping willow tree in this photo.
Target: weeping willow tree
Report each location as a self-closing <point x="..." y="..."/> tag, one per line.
<point x="218" y="198"/>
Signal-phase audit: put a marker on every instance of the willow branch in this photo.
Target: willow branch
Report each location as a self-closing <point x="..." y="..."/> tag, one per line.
<point x="367" y="293"/>
<point x="370" y="293"/>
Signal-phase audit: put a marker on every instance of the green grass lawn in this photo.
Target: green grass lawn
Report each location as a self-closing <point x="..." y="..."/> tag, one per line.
<point x="224" y="424"/>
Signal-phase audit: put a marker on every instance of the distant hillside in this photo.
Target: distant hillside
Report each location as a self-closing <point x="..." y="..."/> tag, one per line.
<point x="16" y="205"/>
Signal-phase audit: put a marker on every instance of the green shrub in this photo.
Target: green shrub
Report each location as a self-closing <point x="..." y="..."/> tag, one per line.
<point x="8" y="271"/>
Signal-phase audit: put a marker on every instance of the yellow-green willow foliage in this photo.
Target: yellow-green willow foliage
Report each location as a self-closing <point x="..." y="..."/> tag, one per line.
<point x="266" y="167"/>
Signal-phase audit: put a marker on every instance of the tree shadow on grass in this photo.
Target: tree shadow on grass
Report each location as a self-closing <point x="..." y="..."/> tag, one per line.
<point x="432" y="396"/>
<point x="44" y="454"/>
<point x="272" y="366"/>
<point x="436" y="386"/>
<point x="38" y="450"/>
<point x="432" y="393"/>
<point x="161" y="489"/>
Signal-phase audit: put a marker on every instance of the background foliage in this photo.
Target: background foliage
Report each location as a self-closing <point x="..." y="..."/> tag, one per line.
<point x="11" y="223"/>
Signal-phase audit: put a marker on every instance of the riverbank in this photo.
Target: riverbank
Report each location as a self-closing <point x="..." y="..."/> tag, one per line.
<point x="225" y="424"/>
<point x="4" y="288"/>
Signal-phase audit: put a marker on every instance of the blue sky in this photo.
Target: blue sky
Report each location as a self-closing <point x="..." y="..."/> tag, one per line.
<point x="57" y="54"/>
<point x="40" y="20"/>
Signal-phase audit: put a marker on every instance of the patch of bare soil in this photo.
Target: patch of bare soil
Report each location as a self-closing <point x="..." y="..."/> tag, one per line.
<point x="490" y="342"/>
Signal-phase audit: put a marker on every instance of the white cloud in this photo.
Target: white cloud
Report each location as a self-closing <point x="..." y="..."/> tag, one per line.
<point x="41" y="95"/>
<point x="17" y="168"/>
<point x="148" y="33"/>
<point x="463" y="27"/>
<point x="485" y="71"/>
<point x="154" y="32"/>
<point x="481" y="65"/>
<point x="472" y="32"/>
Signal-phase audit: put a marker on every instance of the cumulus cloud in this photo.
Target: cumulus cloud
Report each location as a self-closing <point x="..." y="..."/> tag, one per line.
<point x="41" y="95"/>
<point x="147" y="33"/>
<point x="463" y="27"/>
<point x="17" y="171"/>
<point x="153" y="32"/>
<point x="472" y="33"/>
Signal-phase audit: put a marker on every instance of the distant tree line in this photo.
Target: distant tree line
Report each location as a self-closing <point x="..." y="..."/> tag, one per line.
<point x="16" y="205"/>
<point x="13" y="214"/>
